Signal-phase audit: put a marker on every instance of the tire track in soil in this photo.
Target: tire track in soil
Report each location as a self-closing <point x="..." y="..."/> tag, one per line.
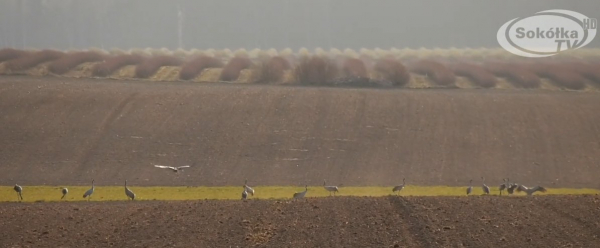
<point x="324" y="222"/>
<point x="103" y="126"/>
<point x="314" y="132"/>
<point x="338" y="221"/>
<point x="258" y="225"/>
<point x="419" y="234"/>
<point x="208" y="123"/>
<point x="580" y="228"/>
<point x="284" y="219"/>
<point x="264" y="128"/>
<point x="334" y="222"/>
<point x="474" y="221"/>
<point x="562" y="229"/>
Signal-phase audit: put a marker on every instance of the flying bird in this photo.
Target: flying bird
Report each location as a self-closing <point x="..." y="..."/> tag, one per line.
<point x="530" y="191"/>
<point x="398" y="188"/>
<point x="64" y="191"/>
<point x="175" y="169"/>
<point x="89" y="192"/>
<point x="19" y="191"/>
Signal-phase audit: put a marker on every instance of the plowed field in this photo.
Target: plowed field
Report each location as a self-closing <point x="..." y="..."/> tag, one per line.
<point x="69" y="131"/>
<point x="551" y="221"/>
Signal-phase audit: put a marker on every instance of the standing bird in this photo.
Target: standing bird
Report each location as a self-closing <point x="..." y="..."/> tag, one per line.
<point x="175" y="169"/>
<point x="19" y="191"/>
<point x="247" y="188"/>
<point x="398" y="188"/>
<point x="244" y="194"/>
<point x="299" y="195"/>
<point x="89" y="192"/>
<point x="503" y="185"/>
<point x="470" y="188"/>
<point x="485" y="188"/>
<point x="64" y="191"/>
<point x="331" y="189"/>
<point x="511" y="188"/>
<point x="128" y="192"/>
<point x="530" y="191"/>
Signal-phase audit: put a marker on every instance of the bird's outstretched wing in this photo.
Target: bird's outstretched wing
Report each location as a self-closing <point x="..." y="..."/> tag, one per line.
<point x="164" y="167"/>
<point x="184" y="166"/>
<point x="522" y="188"/>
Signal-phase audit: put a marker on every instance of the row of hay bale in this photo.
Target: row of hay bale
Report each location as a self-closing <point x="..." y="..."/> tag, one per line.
<point x="316" y="69"/>
<point x="472" y="54"/>
<point x="402" y="54"/>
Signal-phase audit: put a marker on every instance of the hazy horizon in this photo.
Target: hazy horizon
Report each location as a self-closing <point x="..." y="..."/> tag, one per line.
<point x="204" y="24"/>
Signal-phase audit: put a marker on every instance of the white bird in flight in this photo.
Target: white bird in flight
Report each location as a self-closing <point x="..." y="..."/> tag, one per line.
<point x="530" y="191"/>
<point x="175" y="169"/>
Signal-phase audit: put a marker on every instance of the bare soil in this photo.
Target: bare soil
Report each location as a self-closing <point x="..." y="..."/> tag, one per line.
<point x="60" y="131"/>
<point x="546" y="221"/>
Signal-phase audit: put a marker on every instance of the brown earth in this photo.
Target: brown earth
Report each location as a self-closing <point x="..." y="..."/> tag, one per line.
<point x="60" y="131"/>
<point x="67" y="131"/>
<point x="549" y="221"/>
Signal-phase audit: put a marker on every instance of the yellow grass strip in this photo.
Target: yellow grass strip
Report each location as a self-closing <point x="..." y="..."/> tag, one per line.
<point x="117" y="193"/>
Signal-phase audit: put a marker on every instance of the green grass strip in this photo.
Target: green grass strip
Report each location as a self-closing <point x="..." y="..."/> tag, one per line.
<point x="117" y="193"/>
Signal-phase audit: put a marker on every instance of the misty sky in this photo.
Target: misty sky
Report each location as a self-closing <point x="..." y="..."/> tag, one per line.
<point x="218" y="24"/>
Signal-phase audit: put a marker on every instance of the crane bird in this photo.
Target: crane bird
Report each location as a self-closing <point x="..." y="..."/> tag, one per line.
<point x="485" y="188"/>
<point x="299" y="195"/>
<point x="398" y="188"/>
<point x="248" y="188"/>
<point x="244" y="194"/>
<point x="530" y="191"/>
<point x="331" y="189"/>
<point x="89" y="192"/>
<point x="175" y="169"/>
<point x="64" y="191"/>
<point x="503" y="185"/>
<point x="470" y="188"/>
<point x="511" y="188"/>
<point x="128" y="192"/>
<point x="19" y="191"/>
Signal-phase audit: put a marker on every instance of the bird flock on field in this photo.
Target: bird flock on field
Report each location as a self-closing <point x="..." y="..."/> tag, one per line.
<point x="332" y="189"/>
<point x="508" y="186"/>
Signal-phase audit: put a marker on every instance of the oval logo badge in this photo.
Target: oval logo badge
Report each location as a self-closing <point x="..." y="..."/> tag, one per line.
<point x="547" y="33"/>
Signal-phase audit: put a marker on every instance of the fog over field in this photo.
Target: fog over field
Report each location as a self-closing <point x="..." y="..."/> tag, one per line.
<point x="299" y="123"/>
<point x="265" y="24"/>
